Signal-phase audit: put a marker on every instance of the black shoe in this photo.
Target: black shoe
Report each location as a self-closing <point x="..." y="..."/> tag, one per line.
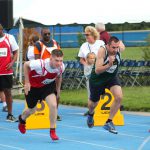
<point x="59" y="118"/>
<point x="86" y="113"/>
<point x="11" y="118"/>
<point x="5" y="109"/>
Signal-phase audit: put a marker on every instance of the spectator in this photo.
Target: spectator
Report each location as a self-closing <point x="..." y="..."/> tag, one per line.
<point x="92" y="45"/>
<point x="30" y="52"/>
<point x="8" y="56"/>
<point x="104" y="35"/>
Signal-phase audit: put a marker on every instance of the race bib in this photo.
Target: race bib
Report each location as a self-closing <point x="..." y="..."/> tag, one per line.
<point x="48" y="81"/>
<point x="112" y="69"/>
<point x="3" y="52"/>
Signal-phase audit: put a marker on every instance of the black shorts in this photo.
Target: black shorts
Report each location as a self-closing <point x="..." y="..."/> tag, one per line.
<point x="96" y="91"/>
<point x="6" y="82"/>
<point x="36" y="94"/>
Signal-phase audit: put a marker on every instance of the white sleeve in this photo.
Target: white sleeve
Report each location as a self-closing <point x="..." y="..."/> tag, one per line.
<point x="13" y="43"/>
<point x="36" y="65"/>
<point x="63" y="68"/>
<point x="81" y="53"/>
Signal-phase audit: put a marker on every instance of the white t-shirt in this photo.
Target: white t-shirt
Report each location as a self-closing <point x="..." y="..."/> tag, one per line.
<point x="30" y="53"/>
<point x="87" y="48"/>
<point x="12" y="41"/>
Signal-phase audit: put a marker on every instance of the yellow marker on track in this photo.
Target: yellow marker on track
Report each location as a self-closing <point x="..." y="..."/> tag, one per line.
<point x="40" y="119"/>
<point x="103" y="109"/>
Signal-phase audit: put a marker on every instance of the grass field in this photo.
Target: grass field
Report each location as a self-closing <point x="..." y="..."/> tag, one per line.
<point x="129" y="53"/>
<point x="135" y="98"/>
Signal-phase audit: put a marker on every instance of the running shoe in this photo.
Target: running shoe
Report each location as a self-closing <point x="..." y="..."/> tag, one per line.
<point x="11" y="118"/>
<point x="59" y="118"/>
<point x="86" y="113"/>
<point x="110" y="127"/>
<point x="22" y="125"/>
<point x="53" y="135"/>
<point x="90" y="121"/>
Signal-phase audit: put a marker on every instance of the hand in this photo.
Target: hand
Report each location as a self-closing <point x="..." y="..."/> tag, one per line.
<point x="111" y="60"/>
<point x="9" y="66"/>
<point x="27" y="88"/>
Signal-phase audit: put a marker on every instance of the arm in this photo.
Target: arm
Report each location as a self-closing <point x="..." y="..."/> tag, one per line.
<point x="58" y="85"/>
<point x="99" y="67"/>
<point x="14" y="58"/>
<point x="26" y="76"/>
<point x="121" y="46"/>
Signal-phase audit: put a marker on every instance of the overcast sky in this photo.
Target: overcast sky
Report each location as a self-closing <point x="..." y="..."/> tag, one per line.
<point x="78" y="9"/>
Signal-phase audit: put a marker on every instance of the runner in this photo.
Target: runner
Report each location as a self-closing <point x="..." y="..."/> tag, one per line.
<point x="104" y="75"/>
<point x="40" y="76"/>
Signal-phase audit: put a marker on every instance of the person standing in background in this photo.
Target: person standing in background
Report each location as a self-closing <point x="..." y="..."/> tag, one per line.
<point x="8" y="56"/>
<point x="30" y="51"/>
<point x="104" y="35"/>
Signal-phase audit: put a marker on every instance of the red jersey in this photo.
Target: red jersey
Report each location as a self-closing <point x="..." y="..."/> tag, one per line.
<point x="5" y="56"/>
<point x="42" y="73"/>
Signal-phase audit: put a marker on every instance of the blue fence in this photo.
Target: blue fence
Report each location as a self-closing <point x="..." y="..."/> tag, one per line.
<point x="67" y="35"/>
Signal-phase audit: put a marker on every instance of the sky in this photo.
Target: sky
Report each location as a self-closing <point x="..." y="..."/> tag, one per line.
<point x="82" y="11"/>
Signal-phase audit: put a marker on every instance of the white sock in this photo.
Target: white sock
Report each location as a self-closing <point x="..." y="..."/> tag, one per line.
<point x="4" y="104"/>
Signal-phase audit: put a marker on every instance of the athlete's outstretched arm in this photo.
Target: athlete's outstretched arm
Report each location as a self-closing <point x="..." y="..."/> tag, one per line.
<point x="99" y="66"/>
<point x="26" y="76"/>
<point x="58" y="85"/>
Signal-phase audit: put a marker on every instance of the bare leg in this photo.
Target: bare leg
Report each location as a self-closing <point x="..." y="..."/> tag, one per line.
<point x="117" y="92"/>
<point x="28" y="112"/>
<point x="91" y="106"/>
<point x="52" y="104"/>
<point x="8" y="100"/>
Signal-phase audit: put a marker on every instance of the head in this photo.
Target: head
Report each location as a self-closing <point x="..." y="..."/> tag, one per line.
<point x="91" y="58"/>
<point x="100" y="27"/>
<point x="45" y="33"/>
<point x="91" y="34"/>
<point x="56" y="58"/>
<point x="33" y="39"/>
<point x="1" y="30"/>
<point x="113" y="45"/>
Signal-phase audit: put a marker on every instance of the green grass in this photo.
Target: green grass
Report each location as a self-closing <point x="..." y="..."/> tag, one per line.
<point x="129" y="53"/>
<point x="135" y="98"/>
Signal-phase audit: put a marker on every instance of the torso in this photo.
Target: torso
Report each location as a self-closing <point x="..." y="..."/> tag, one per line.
<point x="43" y="74"/>
<point x="109" y="73"/>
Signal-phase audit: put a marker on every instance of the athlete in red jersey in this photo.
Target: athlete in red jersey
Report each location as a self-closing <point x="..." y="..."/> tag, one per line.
<point x="8" y="56"/>
<point x="40" y="76"/>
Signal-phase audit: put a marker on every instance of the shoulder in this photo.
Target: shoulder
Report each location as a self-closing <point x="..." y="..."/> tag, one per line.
<point x="84" y="45"/>
<point x="100" y="42"/>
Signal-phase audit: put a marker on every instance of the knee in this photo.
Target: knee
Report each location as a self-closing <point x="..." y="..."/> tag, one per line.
<point x="118" y="98"/>
<point x="54" y="105"/>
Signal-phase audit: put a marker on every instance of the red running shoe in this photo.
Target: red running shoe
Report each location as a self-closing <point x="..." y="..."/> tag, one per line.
<point x="53" y="135"/>
<point x="22" y="125"/>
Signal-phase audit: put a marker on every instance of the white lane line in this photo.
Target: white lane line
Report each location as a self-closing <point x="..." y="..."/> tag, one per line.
<point x="144" y="125"/>
<point x="12" y="147"/>
<point x="144" y="143"/>
<point x="123" y="134"/>
<point x="70" y="140"/>
<point x="81" y="142"/>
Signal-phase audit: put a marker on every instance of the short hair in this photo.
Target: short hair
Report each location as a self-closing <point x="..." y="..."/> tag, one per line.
<point x="91" y="53"/>
<point x="33" y="38"/>
<point x="45" y="28"/>
<point x="93" y="32"/>
<point x="100" y="25"/>
<point x="57" y="53"/>
<point x="114" y="39"/>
